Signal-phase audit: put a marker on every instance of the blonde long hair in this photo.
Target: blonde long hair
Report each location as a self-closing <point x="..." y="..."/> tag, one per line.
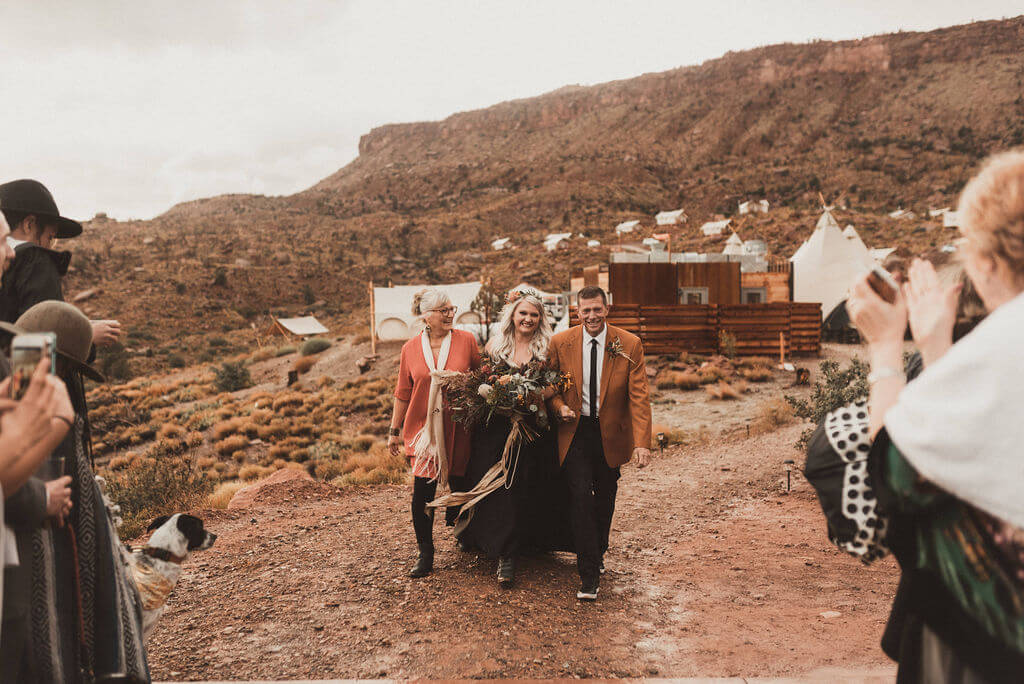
<point x="504" y="344"/>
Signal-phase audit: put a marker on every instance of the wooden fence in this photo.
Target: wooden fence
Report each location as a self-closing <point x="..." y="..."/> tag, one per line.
<point x="695" y="328"/>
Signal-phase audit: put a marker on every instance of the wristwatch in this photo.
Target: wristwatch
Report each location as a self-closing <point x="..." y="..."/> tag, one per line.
<point x="395" y="432"/>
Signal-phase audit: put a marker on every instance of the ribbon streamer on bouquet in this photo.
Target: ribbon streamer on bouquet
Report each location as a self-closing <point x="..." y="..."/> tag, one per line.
<point x="501" y="474"/>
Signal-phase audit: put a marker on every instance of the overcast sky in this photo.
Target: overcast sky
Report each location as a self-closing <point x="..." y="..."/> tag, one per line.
<point x="130" y="107"/>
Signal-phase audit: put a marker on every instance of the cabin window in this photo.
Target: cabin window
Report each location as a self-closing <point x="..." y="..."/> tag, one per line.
<point x="693" y="295"/>
<point x="754" y="295"/>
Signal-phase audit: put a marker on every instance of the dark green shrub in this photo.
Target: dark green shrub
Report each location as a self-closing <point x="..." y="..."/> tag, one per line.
<point x="176" y="361"/>
<point x="285" y="351"/>
<point x="154" y="487"/>
<point x="231" y="377"/>
<point x="838" y="387"/>
<point x="314" y="345"/>
<point x="114" y="362"/>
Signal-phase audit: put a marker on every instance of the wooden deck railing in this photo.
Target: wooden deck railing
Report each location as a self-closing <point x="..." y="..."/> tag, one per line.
<point x="696" y="328"/>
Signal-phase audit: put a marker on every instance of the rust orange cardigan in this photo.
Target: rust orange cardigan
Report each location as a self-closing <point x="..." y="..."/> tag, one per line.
<point x="414" y="387"/>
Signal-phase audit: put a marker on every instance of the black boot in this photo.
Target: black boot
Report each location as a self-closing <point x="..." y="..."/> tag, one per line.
<point x="425" y="563"/>
<point x="506" y="571"/>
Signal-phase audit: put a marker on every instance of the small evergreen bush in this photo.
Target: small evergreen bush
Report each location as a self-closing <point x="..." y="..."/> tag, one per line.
<point x="314" y="345"/>
<point x="838" y="387"/>
<point x="231" y="377"/>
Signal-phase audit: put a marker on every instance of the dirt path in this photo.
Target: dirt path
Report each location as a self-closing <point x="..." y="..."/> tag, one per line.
<point x="714" y="571"/>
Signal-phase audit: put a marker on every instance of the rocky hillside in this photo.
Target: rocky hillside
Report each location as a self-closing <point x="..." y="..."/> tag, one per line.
<point x="888" y="121"/>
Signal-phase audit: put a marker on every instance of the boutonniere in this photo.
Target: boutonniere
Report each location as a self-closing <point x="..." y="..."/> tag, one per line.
<point x="614" y="347"/>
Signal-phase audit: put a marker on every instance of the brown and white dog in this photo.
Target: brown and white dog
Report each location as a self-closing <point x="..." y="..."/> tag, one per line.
<point x="156" y="567"/>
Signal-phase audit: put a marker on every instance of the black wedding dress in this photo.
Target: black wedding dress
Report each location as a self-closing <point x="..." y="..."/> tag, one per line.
<point x="532" y="515"/>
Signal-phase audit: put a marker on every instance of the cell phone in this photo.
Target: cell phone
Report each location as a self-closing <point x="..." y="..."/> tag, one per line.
<point x="26" y="352"/>
<point x="884" y="285"/>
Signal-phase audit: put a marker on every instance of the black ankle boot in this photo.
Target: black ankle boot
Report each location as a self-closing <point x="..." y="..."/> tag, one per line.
<point x="425" y="563"/>
<point x="506" y="571"/>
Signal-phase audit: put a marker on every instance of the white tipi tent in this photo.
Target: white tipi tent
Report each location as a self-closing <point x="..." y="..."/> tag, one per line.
<point x="827" y="264"/>
<point x="734" y="245"/>
<point x="850" y="233"/>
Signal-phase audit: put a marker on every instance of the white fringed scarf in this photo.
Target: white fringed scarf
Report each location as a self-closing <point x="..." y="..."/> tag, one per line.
<point x="961" y="423"/>
<point x="428" y="447"/>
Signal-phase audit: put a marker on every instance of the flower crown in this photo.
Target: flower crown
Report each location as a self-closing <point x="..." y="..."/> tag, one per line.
<point x="514" y="295"/>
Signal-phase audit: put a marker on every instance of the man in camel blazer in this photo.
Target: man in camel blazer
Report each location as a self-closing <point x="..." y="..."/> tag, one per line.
<point x="606" y="366"/>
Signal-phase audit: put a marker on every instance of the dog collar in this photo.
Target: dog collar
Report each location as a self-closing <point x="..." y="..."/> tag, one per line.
<point x="163" y="554"/>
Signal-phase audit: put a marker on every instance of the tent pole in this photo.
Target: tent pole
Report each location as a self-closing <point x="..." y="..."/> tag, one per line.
<point x="373" y="318"/>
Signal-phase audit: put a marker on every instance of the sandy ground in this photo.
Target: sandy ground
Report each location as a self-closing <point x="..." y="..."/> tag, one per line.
<point x="714" y="570"/>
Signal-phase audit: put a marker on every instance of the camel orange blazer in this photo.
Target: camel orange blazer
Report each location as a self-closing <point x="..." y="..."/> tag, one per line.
<point x="623" y="400"/>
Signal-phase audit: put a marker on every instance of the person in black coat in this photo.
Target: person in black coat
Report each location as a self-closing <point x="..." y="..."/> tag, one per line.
<point x="37" y="269"/>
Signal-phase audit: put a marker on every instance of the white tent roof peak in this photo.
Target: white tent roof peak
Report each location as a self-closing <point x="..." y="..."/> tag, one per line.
<point x="827" y="219"/>
<point x="734" y="245"/>
<point x="557" y="237"/>
<point x="827" y="264"/>
<point x="668" y="218"/>
<point x="627" y="226"/>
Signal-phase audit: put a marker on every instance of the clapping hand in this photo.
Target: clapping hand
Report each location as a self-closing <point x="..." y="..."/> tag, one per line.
<point x="878" y="321"/>
<point x="932" y="310"/>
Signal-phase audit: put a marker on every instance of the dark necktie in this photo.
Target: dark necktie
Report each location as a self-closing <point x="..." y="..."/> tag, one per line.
<point x="593" y="378"/>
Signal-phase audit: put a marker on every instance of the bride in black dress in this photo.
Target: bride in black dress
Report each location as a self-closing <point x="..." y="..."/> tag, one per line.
<point x="530" y="511"/>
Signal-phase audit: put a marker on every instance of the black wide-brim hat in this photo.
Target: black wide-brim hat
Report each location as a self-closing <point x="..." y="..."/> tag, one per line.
<point x="73" y="330"/>
<point x="32" y="197"/>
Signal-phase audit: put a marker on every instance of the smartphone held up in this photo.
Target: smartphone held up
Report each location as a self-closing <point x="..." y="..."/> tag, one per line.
<point x="26" y="352"/>
<point x="884" y="285"/>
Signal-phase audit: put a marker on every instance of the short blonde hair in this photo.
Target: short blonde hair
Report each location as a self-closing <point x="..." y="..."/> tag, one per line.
<point x="429" y="298"/>
<point x="991" y="210"/>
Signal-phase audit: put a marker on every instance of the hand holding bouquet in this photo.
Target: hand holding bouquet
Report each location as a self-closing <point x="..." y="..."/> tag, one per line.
<point x="499" y="387"/>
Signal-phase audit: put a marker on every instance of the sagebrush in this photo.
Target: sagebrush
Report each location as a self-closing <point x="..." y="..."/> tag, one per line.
<point x="836" y="388"/>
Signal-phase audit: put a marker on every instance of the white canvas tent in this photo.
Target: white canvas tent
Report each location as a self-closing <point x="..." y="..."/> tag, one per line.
<point x="556" y="240"/>
<point x="626" y="227"/>
<point x="752" y="207"/>
<point x="715" y="227"/>
<point x="654" y="243"/>
<point x="826" y="265"/>
<point x="392" y="309"/>
<point x="501" y="243"/>
<point x="734" y="245"/>
<point x="951" y="219"/>
<point x="593" y="243"/>
<point x="305" y="326"/>
<point x="670" y="218"/>
<point x="880" y="253"/>
<point x="850" y="233"/>
<point x="935" y="213"/>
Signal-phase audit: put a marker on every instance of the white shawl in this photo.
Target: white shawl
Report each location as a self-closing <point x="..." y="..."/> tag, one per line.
<point x="428" y="446"/>
<point x="961" y="422"/>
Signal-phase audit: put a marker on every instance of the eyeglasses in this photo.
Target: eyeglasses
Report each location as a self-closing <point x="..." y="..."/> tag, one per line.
<point x="447" y="311"/>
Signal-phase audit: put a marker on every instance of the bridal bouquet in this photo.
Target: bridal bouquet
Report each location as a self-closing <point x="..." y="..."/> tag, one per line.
<point x="499" y="387"/>
<point x="512" y="391"/>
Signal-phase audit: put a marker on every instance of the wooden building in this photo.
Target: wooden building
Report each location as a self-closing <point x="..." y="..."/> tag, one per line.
<point x="667" y="284"/>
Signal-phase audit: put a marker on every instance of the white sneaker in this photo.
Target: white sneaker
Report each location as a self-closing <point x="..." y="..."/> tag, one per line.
<point x="587" y="594"/>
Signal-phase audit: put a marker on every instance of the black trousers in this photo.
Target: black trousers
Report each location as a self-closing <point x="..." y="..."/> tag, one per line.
<point x="593" y="485"/>
<point x="423" y="491"/>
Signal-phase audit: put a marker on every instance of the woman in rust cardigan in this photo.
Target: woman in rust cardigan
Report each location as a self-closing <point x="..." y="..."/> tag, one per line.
<point x="421" y="424"/>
